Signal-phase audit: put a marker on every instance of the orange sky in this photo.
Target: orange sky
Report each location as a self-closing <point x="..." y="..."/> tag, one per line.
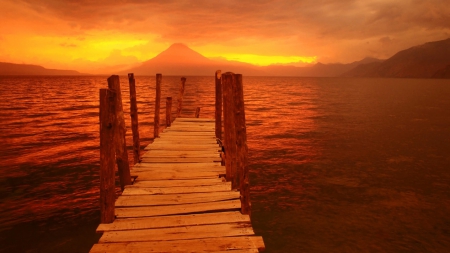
<point x="90" y="35"/>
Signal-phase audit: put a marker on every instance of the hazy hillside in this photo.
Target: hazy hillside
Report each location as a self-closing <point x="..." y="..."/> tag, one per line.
<point x="28" y="69"/>
<point x="430" y="60"/>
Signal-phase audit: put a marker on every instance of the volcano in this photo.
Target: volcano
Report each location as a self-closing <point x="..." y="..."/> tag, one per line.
<point x="179" y="59"/>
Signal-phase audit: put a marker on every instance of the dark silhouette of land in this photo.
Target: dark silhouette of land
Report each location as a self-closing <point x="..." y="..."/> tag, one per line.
<point x="429" y="60"/>
<point x="13" y="69"/>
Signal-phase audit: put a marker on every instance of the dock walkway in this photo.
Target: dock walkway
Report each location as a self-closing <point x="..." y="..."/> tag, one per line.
<point x="180" y="200"/>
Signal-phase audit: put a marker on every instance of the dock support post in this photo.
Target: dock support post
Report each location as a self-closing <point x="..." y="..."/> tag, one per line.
<point x="197" y="112"/>
<point x="134" y="119"/>
<point x="229" y="128"/>
<point x="168" y="111"/>
<point x="180" y="96"/>
<point x="218" y="111"/>
<point x="120" y="143"/>
<point x="241" y="145"/>
<point x="157" y="105"/>
<point x="108" y="125"/>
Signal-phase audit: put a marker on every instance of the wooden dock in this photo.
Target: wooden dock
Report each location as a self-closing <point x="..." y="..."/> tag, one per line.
<point x="181" y="200"/>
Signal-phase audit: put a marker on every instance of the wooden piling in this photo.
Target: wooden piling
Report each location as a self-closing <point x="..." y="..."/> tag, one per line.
<point x="241" y="145"/>
<point x="168" y="111"/>
<point x="228" y="80"/>
<point x="120" y="143"/>
<point x="134" y="119"/>
<point x="218" y="111"/>
<point x="197" y="112"/>
<point x="180" y="96"/>
<point x="157" y="105"/>
<point x="108" y="125"/>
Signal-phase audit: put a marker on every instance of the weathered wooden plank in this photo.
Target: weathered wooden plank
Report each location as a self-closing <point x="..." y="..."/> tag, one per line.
<point x="130" y="190"/>
<point x="179" y="160"/>
<point x="194" y="120"/>
<point x="216" y="169"/>
<point x="174" y="199"/>
<point x="220" y="244"/>
<point x="213" y="166"/>
<point x="187" y="137"/>
<point x="170" y="175"/>
<point x="189" y="134"/>
<point x="209" y="147"/>
<point x="174" y="142"/>
<point x="229" y="205"/>
<point x="195" y="123"/>
<point x="181" y="154"/>
<point x="179" y="125"/>
<point x="177" y="183"/>
<point x="170" y="154"/>
<point x="178" y="233"/>
<point x="193" y="130"/>
<point x="174" y="221"/>
<point x="177" y="141"/>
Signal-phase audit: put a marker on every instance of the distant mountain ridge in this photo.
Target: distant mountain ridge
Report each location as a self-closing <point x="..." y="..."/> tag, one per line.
<point x="429" y="60"/>
<point x="14" y="69"/>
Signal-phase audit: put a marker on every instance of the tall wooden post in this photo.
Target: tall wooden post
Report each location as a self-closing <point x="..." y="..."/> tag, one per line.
<point x="229" y="129"/>
<point x="108" y="125"/>
<point x="197" y="112"/>
<point x="134" y="119"/>
<point x="157" y="105"/>
<point x="168" y="111"/>
<point x="218" y="111"/>
<point x="241" y="145"/>
<point x="180" y="96"/>
<point x="120" y="143"/>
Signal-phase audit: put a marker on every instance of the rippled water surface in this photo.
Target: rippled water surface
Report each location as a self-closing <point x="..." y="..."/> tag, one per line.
<point x="337" y="165"/>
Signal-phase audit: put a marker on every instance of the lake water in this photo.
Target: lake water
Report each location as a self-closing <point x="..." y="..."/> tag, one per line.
<point x="336" y="165"/>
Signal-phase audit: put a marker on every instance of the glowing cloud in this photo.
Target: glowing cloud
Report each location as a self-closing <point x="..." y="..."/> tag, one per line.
<point x="265" y="60"/>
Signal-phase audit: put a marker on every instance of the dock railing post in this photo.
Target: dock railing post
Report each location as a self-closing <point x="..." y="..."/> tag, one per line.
<point x="134" y="119"/>
<point x="119" y="139"/>
<point x="168" y="111"/>
<point x="218" y="111"/>
<point x="108" y="125"/>
<point x="180" y="96"/>
<point x="157" y="105"/>
<point x="229" y="128"/>
<point x="241" y="145"/>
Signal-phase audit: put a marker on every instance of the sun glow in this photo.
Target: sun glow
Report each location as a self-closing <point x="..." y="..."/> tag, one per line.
<point x="265" y="60"/>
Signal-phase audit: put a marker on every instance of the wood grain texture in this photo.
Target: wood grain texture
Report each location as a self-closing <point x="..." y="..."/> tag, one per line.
<point x="228" y="205"/>
<point x="218" y="244"/>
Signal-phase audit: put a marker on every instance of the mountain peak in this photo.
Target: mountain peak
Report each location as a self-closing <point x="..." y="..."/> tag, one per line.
<point x="181" y="54"/>
<point x="178" y="46"/>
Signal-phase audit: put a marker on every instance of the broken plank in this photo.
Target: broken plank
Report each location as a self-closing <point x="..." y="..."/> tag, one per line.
<point x="174" y="199"/>
<point x="174" y="221"/>
<point x="228" y="205"/>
